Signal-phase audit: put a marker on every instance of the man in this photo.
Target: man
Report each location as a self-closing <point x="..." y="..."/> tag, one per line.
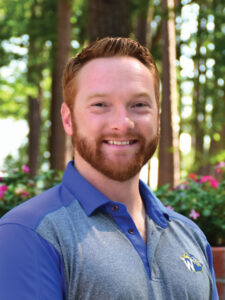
<point x="101" y="233"/>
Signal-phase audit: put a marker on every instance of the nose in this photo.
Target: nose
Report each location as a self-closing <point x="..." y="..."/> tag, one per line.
<point x="121" y="121"/>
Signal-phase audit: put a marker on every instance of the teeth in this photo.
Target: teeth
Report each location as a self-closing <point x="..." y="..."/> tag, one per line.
<point x="119" y="142"/>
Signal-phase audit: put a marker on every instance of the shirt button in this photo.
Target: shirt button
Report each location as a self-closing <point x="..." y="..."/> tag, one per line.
<point x="115" y="207"/>
<point x="131" y="231"/>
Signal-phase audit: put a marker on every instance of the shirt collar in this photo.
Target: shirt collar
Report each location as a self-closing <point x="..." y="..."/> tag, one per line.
<point x="154" y="207"/>
<point x="87" y="195"/>
<point x="91" y="199"/>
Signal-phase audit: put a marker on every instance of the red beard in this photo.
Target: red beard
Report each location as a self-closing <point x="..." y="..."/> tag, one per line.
<point x="93" y="154"/>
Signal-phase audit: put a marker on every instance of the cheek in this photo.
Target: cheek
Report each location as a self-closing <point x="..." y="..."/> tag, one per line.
<point x="148" y="126"/>
<point x="94" y="124"/>
<point x="88" y="126"/>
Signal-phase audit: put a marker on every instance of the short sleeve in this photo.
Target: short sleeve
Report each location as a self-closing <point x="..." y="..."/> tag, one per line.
<point x="30" y="267"/>
<point x="210" y="261"/>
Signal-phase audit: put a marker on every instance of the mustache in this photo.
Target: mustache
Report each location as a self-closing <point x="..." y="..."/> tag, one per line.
<point x="129" y="136"/>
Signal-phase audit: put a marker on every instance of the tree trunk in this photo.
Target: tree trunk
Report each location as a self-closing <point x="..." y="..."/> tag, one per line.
<point x="34" y="118"/>
<point x="217" y="133"/>
<point x="34" y="103"/>
<point x="198" y="106"/>
<point x="141" y="29"/>
<point x="169" y="166"/>
<point x="108" y="18"/>
<point x="58" y="144"/>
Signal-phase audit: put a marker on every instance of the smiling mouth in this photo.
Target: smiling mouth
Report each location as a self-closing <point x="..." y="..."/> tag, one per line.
<point x="121" y="143"/>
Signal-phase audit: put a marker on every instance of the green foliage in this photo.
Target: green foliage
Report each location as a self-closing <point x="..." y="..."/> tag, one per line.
<point x="15" y="163"/>
<point x="16" y="186"/>
<point x="79" y="21"/>
<point x="27" y="34"/>
<point x="13" y="98"/>
<point x="205" y="48"/>
<point x="201" y="198"/>
<point x="28" y="47"/>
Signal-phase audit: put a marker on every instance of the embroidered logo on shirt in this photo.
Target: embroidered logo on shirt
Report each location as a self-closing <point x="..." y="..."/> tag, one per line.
<point x="191" y="262"/>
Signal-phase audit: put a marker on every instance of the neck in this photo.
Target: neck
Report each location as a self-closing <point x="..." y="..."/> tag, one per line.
<point x="126" y="192"/>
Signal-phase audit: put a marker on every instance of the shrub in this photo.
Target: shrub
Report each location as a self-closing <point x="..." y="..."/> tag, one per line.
<point x="16" y="186"/>
<point x="201" y="198"/>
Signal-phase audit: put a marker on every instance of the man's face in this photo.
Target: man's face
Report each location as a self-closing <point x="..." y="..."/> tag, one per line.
<point x="115" y="117"/>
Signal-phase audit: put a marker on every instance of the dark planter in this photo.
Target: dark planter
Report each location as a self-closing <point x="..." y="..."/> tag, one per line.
<point x="219" y="267"/>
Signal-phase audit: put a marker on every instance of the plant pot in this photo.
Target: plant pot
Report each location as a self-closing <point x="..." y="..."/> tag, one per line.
<point x="219" y="267"/>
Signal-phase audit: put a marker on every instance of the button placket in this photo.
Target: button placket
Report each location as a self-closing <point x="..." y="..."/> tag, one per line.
<point x="115" y="207"/>
<point x="131" y="231"/>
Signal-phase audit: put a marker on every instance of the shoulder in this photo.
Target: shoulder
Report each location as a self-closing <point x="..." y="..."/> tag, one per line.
<point x="31" y="212"/>
<point x="25" y="257"/>
<point x="186" y="225"/>
<point x="177" y="216"/>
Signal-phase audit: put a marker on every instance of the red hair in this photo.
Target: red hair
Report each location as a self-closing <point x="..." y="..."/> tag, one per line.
<point x="106" y="47"/>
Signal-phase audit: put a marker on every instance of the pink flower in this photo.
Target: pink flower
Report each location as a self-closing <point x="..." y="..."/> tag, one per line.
<point x="212" y="181"/>
<point x="220" y="168"/>
<point x="20" y="191"/>
<point x="194" y="214"/>
<point x="170" y="207"/>
<point x="25" y="194"/>
<point x="26" y="169"/>
<point x="3" y="189"/>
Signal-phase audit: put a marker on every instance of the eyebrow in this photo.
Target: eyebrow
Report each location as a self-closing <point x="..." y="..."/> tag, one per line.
<point x="142" y="95"/>
<point x="135" y="95"/>
<point x="101" y="95"/>
<point x="97" y="95"/>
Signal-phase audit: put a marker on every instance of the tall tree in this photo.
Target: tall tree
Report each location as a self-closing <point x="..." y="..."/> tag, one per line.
<point x="169" y="142"/>
<point x="59" y="145"/>
<point x="29" y="35"/>
<point x="217" y="144"/>
<point x="108" y="18"/>
<point x="208" y="88"/>
<point x="199" y="96"/>
<point x="142" y="23"/>
<point x="34" y="120"/>
<point x="34" y="75"/>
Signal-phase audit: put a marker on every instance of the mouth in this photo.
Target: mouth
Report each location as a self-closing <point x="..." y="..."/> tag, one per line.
<point x="120" y="143"/>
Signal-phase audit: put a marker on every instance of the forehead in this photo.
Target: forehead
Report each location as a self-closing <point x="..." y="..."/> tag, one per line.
<point x="119" y="70"/>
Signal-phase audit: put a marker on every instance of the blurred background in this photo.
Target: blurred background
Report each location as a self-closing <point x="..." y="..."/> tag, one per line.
<point x="185" y="37"/>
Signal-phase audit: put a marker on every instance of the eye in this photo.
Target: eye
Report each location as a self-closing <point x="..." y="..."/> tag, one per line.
<point x="99" y="104"/>
<point x="99" y="107"/>
<point x="140" y="104"/>
<point x="140" y="107"/>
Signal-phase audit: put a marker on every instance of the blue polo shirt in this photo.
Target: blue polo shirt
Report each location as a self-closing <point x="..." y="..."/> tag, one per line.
<point x="72" y="242"/>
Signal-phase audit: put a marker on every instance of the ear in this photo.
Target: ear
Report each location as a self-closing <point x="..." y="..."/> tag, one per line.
<point x="66" y="119"/>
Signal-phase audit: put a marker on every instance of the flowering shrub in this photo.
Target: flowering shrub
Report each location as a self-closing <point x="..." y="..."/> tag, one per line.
<point x="16" y="187"/>
<point x="201" y="198"/>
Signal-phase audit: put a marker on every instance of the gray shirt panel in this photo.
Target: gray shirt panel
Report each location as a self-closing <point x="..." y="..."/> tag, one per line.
<point x="165" y="250"/>
<point x="101" y="263"/>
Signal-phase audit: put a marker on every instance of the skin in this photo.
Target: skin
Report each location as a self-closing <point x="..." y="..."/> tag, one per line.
<point x="115" y="103"/>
